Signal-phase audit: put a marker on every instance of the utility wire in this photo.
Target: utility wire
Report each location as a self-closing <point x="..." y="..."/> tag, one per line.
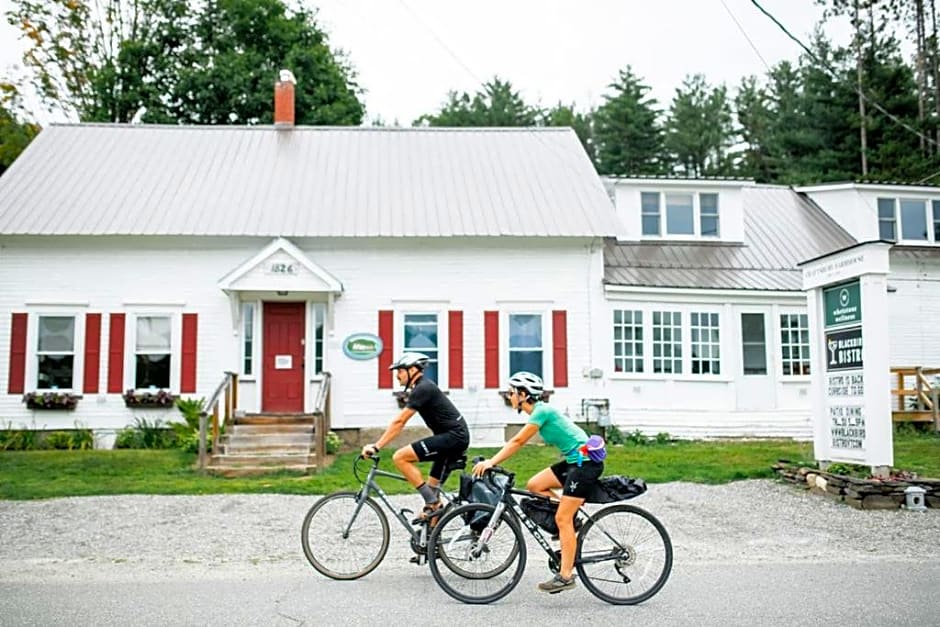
<point x="440" y="42"/>
<point x="746" y="36"/>
<point x="834" y="73"/>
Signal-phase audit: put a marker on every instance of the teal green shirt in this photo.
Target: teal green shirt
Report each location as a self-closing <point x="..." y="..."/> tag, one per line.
<point x="558" y="430"/>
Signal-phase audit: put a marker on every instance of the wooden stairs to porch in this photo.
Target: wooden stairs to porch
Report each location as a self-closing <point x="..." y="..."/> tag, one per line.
<point x="257" y="444"/>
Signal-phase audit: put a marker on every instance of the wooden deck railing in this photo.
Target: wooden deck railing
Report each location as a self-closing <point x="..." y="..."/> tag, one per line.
<point x="226" y="393"/>
<point x="923" y="392"/>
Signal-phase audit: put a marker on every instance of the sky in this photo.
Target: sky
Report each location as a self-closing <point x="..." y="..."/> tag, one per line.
<point x="408" y="54"/>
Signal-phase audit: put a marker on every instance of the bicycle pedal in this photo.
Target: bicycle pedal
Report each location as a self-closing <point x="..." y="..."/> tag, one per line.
<point x="417" y="559"/>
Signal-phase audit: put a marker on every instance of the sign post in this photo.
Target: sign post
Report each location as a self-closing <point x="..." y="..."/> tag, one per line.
<point x="847" y="298"/>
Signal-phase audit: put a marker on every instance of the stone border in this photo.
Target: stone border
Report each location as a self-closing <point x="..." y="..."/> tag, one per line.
<point x="858" y="493"/>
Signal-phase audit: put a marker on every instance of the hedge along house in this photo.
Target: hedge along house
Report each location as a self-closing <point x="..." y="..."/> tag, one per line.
<point x="706" y="321"/>
<point x="154" y="258"/>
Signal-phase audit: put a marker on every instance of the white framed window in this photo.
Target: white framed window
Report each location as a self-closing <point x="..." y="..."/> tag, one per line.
<point x="753" y="344"/>
<point x="667" y="342"/>
<point x="913" y="219"/>
<point x="628" y="340"/>
<point x="153" y="351"/>
<point x="794" y="344"/>
<point x="887" y="220"/>
<point x="319" y="330"/>
<point x="685" y="214"/>
<point x="526" y="343"/>
<point x="649" y="208"/>
<point x="248" y="339"/>
<point x="936" y="220"/>
<point x="55" y="352"/>
<point x="705" y="342"/>
<point x="420" y="334"/>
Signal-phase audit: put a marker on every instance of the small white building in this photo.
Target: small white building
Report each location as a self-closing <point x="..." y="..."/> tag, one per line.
<point x="147" y="258"/>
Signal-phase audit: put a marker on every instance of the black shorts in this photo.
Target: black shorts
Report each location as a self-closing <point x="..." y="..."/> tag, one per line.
<point x="578" y="481"/>
<point x="440" y="448"/>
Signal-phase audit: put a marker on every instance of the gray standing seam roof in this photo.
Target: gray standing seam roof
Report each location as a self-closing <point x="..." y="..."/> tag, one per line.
<point x="101" y="179"/>
<point x="781" y="229"/>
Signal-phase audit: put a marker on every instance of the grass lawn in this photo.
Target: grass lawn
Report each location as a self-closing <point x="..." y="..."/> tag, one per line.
<point x="47" y="474"/>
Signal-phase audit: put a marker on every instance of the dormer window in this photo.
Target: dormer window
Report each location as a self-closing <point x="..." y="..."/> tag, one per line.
<point x="919" y="220"/>
<point x="687" y="214"/>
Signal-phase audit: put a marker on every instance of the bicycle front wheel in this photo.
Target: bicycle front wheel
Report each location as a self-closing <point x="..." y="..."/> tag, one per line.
<point x="344" y="539"/>
<point x="472" y="563"/>
<point x="624" y="555"/>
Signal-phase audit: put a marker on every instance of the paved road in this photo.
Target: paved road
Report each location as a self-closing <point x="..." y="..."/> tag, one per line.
<point x="748" y="553"/>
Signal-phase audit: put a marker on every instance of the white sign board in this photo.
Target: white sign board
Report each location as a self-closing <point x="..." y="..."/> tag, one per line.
<point x="283" y="362"/>
<point x="847" y="298"/>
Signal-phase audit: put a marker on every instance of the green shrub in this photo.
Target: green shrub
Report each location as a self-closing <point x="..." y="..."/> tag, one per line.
<point x="613" y="435"/>
<point x="146" y="434"/>
<point x="187" y="432"/>
<point x="59" y="440"/>
<point x="333" y="443"/>
<point x="18" y="439"/>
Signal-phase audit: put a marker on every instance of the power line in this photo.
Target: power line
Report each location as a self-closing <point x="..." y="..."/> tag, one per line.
<point x="440" y="42"/>
<point x="834" y="73"/>
<point x="746" y="36"/>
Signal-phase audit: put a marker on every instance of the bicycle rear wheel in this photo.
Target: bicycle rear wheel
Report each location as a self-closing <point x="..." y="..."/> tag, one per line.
<point x="341" y="542"/>
<point x="469" y="568"/>
<point x="624" y="555"/>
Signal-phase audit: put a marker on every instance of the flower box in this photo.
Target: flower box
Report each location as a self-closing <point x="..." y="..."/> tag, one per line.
<point x="158" y="399"/>
<point x="51" y="400"/>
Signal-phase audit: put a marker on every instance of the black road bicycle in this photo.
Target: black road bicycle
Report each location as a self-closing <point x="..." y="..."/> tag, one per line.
<point x="624" y="554"/>
<point x="345" y="535"/>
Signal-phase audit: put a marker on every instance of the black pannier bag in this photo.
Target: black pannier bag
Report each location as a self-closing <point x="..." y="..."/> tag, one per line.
<point x="616" y="488"/>
<point x="473" y="490"/>
<point x="542" y="513"/>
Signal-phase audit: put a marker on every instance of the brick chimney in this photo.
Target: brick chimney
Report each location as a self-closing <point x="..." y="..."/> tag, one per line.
<point x="284" y="100"/>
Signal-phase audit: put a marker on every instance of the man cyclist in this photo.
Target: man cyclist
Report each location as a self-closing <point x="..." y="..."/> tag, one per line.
<point x="575" y="474"/>
<point x="450" y="437"/>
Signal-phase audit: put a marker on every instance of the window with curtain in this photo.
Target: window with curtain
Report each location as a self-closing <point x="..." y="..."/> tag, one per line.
<point x="152" y="352"/>
<point x="421" y="337"/>
<point x="55" y="352"/>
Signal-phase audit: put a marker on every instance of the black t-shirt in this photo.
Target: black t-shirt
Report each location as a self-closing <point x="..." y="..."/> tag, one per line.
<point x="438" y="413"/>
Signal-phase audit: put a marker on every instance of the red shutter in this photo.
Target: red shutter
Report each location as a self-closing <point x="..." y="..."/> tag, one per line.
<point x="386" y="320"/>
<point x="92" y="353"/>
<point x="491" y="348"/>
<point x="116" y="354"/>
<point x="455" y="357"/>
<point x="560" y="347"/>
<point x="188" y="362"/>
<point x="17" y="382"/>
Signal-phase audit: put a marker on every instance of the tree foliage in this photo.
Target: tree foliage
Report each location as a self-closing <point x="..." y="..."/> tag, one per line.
<point x="496" y="103"/>
<point x="15" y="133"/>
<point x="699" y="129"/>
<point x="627" y="131"/>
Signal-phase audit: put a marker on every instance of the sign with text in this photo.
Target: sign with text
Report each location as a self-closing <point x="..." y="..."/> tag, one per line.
<point x="843" y="304"/>
<point x="362" y="346"/>
<point x="844" y="349"/>
<point x="851" y="394"/>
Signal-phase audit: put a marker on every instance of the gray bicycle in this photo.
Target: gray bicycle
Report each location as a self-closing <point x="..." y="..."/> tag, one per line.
<point x="345" y="535"/>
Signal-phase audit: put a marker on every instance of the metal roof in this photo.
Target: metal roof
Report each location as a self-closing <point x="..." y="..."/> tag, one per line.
<point x="100" y="179"/>
<point x="781" y="229"/>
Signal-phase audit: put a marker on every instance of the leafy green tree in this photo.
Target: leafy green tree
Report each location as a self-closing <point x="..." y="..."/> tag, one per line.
<point x="15" y="133"/>
<point x="239" y="47"/>
<point x="102" y="61"/>
<point x="627" y="134"/>
<point x="699" y="129"/>
<point x="495" y="104"/>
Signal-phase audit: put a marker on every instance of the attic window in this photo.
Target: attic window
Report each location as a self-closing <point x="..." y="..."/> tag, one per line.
<point x="687" y="214"/>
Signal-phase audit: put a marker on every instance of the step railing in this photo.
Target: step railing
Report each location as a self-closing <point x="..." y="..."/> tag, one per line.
<point x="923" y="394"/>
<point x="321" y="418"/>
<point x="226" y="395"/>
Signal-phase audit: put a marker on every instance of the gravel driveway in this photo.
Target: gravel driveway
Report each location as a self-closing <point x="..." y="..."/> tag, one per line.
<point x="150" y="538"/>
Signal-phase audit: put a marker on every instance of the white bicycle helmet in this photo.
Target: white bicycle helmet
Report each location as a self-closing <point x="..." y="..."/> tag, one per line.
<point x="531" y="383"/>
<point x="407" y="360"/>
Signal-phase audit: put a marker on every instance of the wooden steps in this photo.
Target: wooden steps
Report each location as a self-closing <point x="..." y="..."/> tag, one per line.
<point x="258" y="444"/>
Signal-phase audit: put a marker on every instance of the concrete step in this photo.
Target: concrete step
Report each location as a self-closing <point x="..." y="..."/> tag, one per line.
<point x="279" y="449"/>
<point x="267" y="439"/>
<point x="253" y="471"/>
<point x="275" y="419"/>
<point x="296" y="429"/>
<point x="261" y="459"/>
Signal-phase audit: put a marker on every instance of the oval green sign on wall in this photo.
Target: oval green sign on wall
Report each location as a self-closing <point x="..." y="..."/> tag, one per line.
<point x="362" y="346"/>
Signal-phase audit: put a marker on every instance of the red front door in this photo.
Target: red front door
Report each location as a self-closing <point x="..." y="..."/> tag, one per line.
<point x="283" y="358"/>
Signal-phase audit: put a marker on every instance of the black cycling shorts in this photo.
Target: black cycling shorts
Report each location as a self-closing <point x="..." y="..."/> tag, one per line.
<point x="441" y="448"/>
<point x="578" y="481"/>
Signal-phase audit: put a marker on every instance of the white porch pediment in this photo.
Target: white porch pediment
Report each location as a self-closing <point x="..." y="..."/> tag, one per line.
<point x="280" y="267"/>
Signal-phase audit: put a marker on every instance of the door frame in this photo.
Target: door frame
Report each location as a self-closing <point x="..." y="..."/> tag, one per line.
<point x="305" y="356"/>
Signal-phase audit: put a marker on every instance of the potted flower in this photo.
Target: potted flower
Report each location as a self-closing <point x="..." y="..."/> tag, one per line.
<point x="148" y="398"/>
<point x="51" y="400"/>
